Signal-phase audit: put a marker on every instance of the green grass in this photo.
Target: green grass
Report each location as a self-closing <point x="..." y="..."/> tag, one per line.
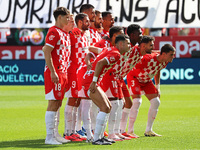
<point x="22" y="125"/>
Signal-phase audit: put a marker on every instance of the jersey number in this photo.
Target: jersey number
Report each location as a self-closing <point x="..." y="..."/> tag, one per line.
<point x="58" y="87"/>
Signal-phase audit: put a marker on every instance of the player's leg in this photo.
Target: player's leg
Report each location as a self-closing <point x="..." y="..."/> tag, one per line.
<point x="135" y="91"/>
<point x="54" y="93"/>
<point x="152" y="95"/>
<point x="85" y="114"/>
<point x="56" y="133"/>
<point x="50" y="115"/>
<point x="112" y="120"/>
<point x="101" y="100"/>
<point x="137" y="100"/>
<point x="126" y="110"/>
<point x="118" y="120"/>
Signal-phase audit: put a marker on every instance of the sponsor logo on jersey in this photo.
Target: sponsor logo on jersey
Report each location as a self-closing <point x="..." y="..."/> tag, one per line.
<point x="112" y="59"/>
<point x="51" y="37"/>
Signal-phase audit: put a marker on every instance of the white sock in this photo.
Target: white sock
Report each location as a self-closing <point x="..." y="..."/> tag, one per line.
<point x="112" y="116"/>
<point x="125" y="115"/>
<point x="78" y="124"/>
<point x="133" y="113"/>
<point x="100" y="122"/>
<point x="119" y="117"/>
<point x="50" y="124"/>
<point x="86" y="106"/>
<point x="68" y="119"/>
<point x="57" y="119"/>
<point x="153" y="110"/>
<point x="93" y="115"/>
<point x="105" y="125"/>
<point x="74" y="119"/>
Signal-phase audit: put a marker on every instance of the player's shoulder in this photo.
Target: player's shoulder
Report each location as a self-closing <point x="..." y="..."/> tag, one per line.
<point x="76" y="32"/>
<point x="53" y="29"/>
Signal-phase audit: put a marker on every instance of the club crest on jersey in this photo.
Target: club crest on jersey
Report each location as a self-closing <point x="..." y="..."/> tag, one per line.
<point x="51" y="37"/>
<point x="112" y="59"/>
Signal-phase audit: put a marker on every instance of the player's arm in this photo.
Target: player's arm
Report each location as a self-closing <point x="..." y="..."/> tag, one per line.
<point x="100" y="64"/>
<point x="48" y="59"/>
<point x="157" y="81"/>
<point x="88" y="60"/>
<point x="95" y="50"/>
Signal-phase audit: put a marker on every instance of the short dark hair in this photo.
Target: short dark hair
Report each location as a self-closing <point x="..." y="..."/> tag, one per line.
<point x="147" y="39"/>
<point x="80" y="16"/>
<point x="85" y="7"/>
<point x="114" y="29"/>
<point x="132" y="28"/>
<point x="97" y="12"/>
<point x="60" y="11"/>
<point x="105" y="13"/>
<point x="167" y="48"/>
<point x="121" y="37"/>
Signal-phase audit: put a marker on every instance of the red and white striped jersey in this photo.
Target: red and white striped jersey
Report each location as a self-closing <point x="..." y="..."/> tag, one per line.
<point x="147" y="68"/>
<point x="79" y="49"/>
<point x="94" y="36"/>
<point x="103" y="43"/>
<point x="104" y="33"/>
<point x="111" y="54"/>
<point x="127" y="61"/>
<point x="60" y="42"/>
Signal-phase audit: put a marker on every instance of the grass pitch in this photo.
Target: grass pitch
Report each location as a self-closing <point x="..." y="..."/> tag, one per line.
<point x="22" y="120"/>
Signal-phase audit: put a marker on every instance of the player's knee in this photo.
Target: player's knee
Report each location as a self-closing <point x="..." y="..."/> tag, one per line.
<point x="106" y="109"/>
<point x="155" y="101"/>
<point x="137" y="102"/>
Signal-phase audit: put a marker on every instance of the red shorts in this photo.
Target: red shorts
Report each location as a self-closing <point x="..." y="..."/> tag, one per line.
<point x="110" y="85"/>
<point x="81" y="72"/>
<point x="137" y="87"/>
<point x="125" y="90"/>
<point x="55" y="91"/>
<point x="72" y="87"/>
<point x="86" y="81"/>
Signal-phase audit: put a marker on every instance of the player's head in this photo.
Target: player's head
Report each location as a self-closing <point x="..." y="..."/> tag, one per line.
<point x="82" y="21"/>
<point x="89" y="10"/>
<point x="108" y="19"/>
<point x="168" y="52"/>
<point x="98" y="19"/>
<point x="122" y="42"/>
<point x="60" y="11"/>
<point x="147" y="44"/>
<point x="135" y="33"/>
<point x="113" y="32"/>
<point x="70" y="26"/>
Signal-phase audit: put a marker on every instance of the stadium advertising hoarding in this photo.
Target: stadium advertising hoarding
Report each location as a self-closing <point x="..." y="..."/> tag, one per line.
<point x="30" y="72"/>
<point x="147" y="13"/>
<point x="184" y="44"/>
<point x="21" y="52"/>
<point x="22" y="36"/>
<point x="181" y="71"/>
<point x="22" y="72"/>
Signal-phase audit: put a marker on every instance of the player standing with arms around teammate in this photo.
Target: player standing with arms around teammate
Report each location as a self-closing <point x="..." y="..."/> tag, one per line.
<point x="56" y="53"/>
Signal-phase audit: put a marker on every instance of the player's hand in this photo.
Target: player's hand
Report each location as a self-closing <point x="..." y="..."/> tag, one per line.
<point x="54" y="77"/>
<point x="159" y="93"/>
<point x="89" y="66"/>
<point x="158" y="89"/>
<point x="124" y="103"/>
<point x="92" y="87"/>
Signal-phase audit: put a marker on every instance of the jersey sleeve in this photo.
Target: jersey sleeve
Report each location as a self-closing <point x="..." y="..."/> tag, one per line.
<point x="52" y="38"/>
<point x="112" y="57"/>
<point x="100" y="44"/>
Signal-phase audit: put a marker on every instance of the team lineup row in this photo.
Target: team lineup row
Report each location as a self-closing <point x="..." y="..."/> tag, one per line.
<point x="88" y="64"/>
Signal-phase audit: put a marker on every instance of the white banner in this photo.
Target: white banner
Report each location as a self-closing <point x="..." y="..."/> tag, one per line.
<point x="147" y="13"/>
